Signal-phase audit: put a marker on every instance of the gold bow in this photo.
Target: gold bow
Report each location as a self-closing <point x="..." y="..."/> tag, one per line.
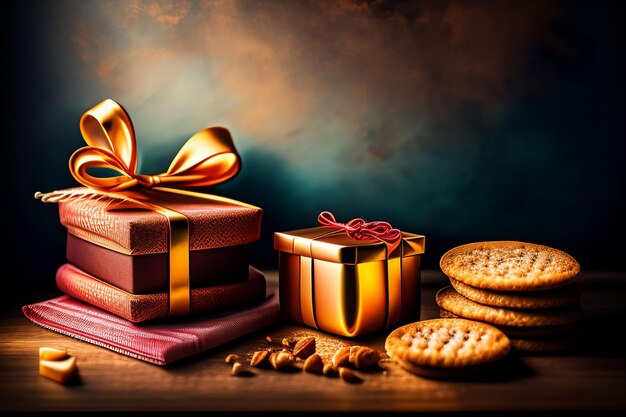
<point x="209" y="157"/>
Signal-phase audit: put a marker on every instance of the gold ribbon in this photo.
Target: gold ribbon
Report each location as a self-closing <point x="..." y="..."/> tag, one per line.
<point x="209" y="157"/>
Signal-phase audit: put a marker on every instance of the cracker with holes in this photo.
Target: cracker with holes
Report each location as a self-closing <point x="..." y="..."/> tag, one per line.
<point x="450" y="300"/>
<point x="529" y="331"/>
<point x="446" y="348"/>
<point x="509" y="266"/>
<point x="556" y="297"/>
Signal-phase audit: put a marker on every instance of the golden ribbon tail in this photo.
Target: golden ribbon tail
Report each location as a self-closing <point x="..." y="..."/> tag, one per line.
<point x="209" y="157"/>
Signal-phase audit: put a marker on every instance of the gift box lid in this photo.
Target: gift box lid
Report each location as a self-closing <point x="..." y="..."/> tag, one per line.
<point x="213" y="223"/>
<point x="336" y="246"/>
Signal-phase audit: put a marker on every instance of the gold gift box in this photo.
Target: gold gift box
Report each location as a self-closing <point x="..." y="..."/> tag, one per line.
<point x="349" y="287"/>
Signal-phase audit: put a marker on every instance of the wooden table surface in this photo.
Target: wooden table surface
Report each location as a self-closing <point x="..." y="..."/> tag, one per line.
<point x="590" y="378"/>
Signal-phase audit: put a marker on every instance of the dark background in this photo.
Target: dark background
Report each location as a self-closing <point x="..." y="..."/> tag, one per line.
<point x="462" y="121"/>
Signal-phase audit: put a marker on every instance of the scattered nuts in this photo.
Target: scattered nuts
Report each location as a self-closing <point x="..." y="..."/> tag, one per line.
<point x="260" y="359"/>
<point x="304" y="348"/>
<point x="289" y="342"/>
<point x="283" y="360"/>
<point x="329" y="370"/>
<point x="240" y="370"/>
<point x="314" y="364"/>
<point x="272" y="359"/>
<point x="349" y="376"/>
<point x="341" y="357"/>
<point x="269" y="339"/>
<point x="280" y="360"/>
<point x="231" y="358"/>
<point x="365" y="357"/>
<point x="353" y="351"/>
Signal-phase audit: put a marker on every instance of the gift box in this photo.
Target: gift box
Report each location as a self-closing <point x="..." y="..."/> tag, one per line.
<point x="128" y="248"/>
<point x="143" y="307"/>
<point x="343" y="281"/>
<point x="144" y="247"/>
<point x="150" y="234"/>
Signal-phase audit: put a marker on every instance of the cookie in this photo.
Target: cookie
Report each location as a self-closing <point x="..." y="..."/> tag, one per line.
<point x="546" y="344"/>
<point x="446" y="347"/>
<point x="509" y="266"/>
<point x="529" y="331"/>
<point x="557" y="297"/>
<point x="447" y="298"/>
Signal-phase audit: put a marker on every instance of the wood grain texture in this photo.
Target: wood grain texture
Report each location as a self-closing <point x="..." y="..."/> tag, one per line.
<point x="590" y="378"/>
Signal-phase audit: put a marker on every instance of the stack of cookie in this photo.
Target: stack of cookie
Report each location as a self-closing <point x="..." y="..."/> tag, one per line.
<point x="526" y="290"/>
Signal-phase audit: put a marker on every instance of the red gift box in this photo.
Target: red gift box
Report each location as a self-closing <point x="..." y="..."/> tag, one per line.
<point x="149" y="233"/>
<point x="129" y="248"/>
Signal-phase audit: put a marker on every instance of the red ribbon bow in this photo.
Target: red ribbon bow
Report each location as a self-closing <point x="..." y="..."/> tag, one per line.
<point x="358" y="229"/>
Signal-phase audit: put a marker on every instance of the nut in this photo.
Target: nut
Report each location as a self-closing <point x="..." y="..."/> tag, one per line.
<point x="260" y="359"/>
<point x="353" y="351"/>
<point x="231" y="358"/>
<point x="272" y="359"/>
<point x="341" y="357"/>
<point x="314" y="364"/>
<point x="289" y="342"/>
<point x="349" y="376"/>
<point x="365" y="357"/>
<point x="280" y="360"/>
<point x="304" y="348"/>
<point x="329" y="370"/>
<point x="240" y="370"/>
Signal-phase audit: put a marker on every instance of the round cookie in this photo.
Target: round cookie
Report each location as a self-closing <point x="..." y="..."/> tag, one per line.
<point x="447" y="298"/>
<point x="446" y="347"/>
<point x="509" y="266"/>
<point x="521" y="332"/>
<point x="557" y="297"/>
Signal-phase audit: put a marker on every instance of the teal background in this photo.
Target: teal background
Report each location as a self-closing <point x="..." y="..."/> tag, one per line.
<point x="399" y="111"/>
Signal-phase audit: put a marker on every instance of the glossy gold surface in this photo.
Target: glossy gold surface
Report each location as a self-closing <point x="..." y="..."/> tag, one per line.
<point x="369" y="292"/>
<point x="335" y="246"/>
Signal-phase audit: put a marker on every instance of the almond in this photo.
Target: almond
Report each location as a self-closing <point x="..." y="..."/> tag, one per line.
<point x="289" y="342"/>
<point x="353" y="351"/>
<point x="329" y="371"/>
<point x="341" y="357"/>
<point x="304" y="348"/>
<point x="365" y="357"/>
<point x="272" y="359"/>
<point x="314" y="364"/>
<point x="349" y="376"/>
<point x="280" y="360"/>
<point x="260" y="359"/>
<point x="240" y="370"/>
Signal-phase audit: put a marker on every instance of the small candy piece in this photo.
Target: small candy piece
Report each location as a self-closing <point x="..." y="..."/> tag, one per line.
<point x="52" y="354"/>
<point x="60" y="371"/>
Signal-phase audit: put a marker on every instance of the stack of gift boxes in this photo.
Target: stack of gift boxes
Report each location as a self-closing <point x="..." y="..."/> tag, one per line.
<point x="118" y="258"/>
<point x="144" y="251"/>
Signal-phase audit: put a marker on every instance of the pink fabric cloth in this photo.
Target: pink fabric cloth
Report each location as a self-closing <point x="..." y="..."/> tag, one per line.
<point x="159" y="343"/>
